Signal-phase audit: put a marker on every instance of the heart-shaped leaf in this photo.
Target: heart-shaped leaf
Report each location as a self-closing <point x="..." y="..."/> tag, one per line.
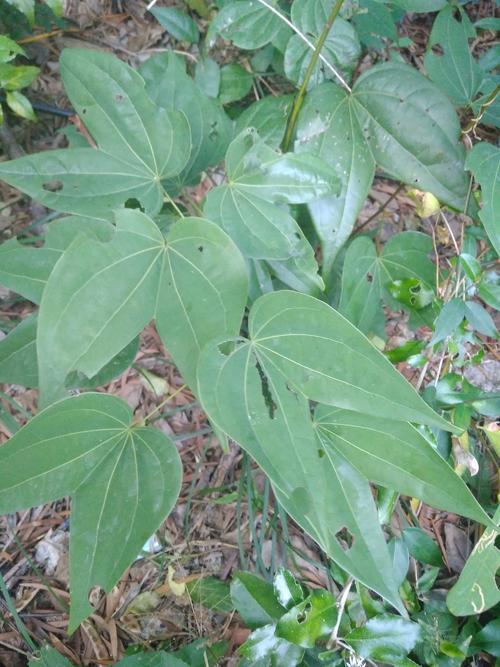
<point x="249" y="399"/>
<point x="135" y="140"/>
<point x="247" y="207"/>
<point x="328" y="360"/>
<point x="397" y="456"/>
<point x="123" y="481"/>
<point x="328" y="127"/>
<point x="455" y="71"/>
<point x="391" y="97"/>
<point x="193" y="282"/>
<point x="211" y="130"/>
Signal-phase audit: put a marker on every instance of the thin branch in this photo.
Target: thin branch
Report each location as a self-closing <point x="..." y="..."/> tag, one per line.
<point x="299" y="100"/>
<point x="332" y="69"/>
<point x="341" y="602"/>
<point x="380" y="209"/>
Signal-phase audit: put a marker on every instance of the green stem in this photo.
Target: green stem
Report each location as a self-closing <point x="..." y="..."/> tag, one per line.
<point x="299" y="100"/>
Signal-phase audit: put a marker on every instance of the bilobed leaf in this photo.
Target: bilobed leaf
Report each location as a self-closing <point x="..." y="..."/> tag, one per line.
<point x="179" y="24"/>
<point x="455" y="71"/>
<point x="138" y="276"/>
<point x="169" y="86"/>
<point x="248" y="398"/>
<point x="395" y="455"/>
<point x="391" y="97"/>
<point x="328" y="360"/>
<point x="385" y="638"/>
<point x="328" y="127"/>
<point x="484" y="162"/>
<point x="135" y="141"/>
<point x="476" y="589"/>
<point x="342" y="48"/>
<point x="246" y="23"/>
<point x="123" y="481"/>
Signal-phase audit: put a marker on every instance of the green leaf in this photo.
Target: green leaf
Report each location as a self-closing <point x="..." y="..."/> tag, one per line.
<point x="212" y="593"/>
<point x="140" y="144"/>
<point x="255" y="600"/>
<point x="49" y="657"/>
<point x="177" y="23"/>
<point x="330" y="361"/>
<point x="342" y="48"/>
<point x="123" y="481"/>
<point x="207" y="77"/>
<point x="395" y="455"/>
<point x="422" y="547"/>
<point x="328" y="127"/>
<point x="421" y="6"/>
<point x="400" y="559"/>
<point x="269" y="117"/>
<point x="361" y="288"/>
<point x="18" y="361"/>
<point x="247" y="24"/>
<point x="138" y="276"/>
<point x="264" y="649"/>
<point x="287" y="590"/>
<point x="257" y="169"/>
<point x="14" y="77"/>
<point x="20" y="105"/>
<point x="9" y="49"/>
<point x="155" y="659"/>
<point x="449" y="319"/>
<point x="247" y="397"/>
<point x="25" y="269"/>
<point x="476" y="589"/>
<point x="367" y="277"/>
<point x="489" y="290"/>
<point x="480" y="319"/>
<point x="488" y="639"/>
<point x="455" y="71"/>
<point x="310" y="620"/>
<point x="235" y="83"/>
<point x="484" y="162"/>
<point x="247" y="207"/>
<point x="391" y="97"/>
<point x="384" y="638"/>
<point x="211" y="130"/>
